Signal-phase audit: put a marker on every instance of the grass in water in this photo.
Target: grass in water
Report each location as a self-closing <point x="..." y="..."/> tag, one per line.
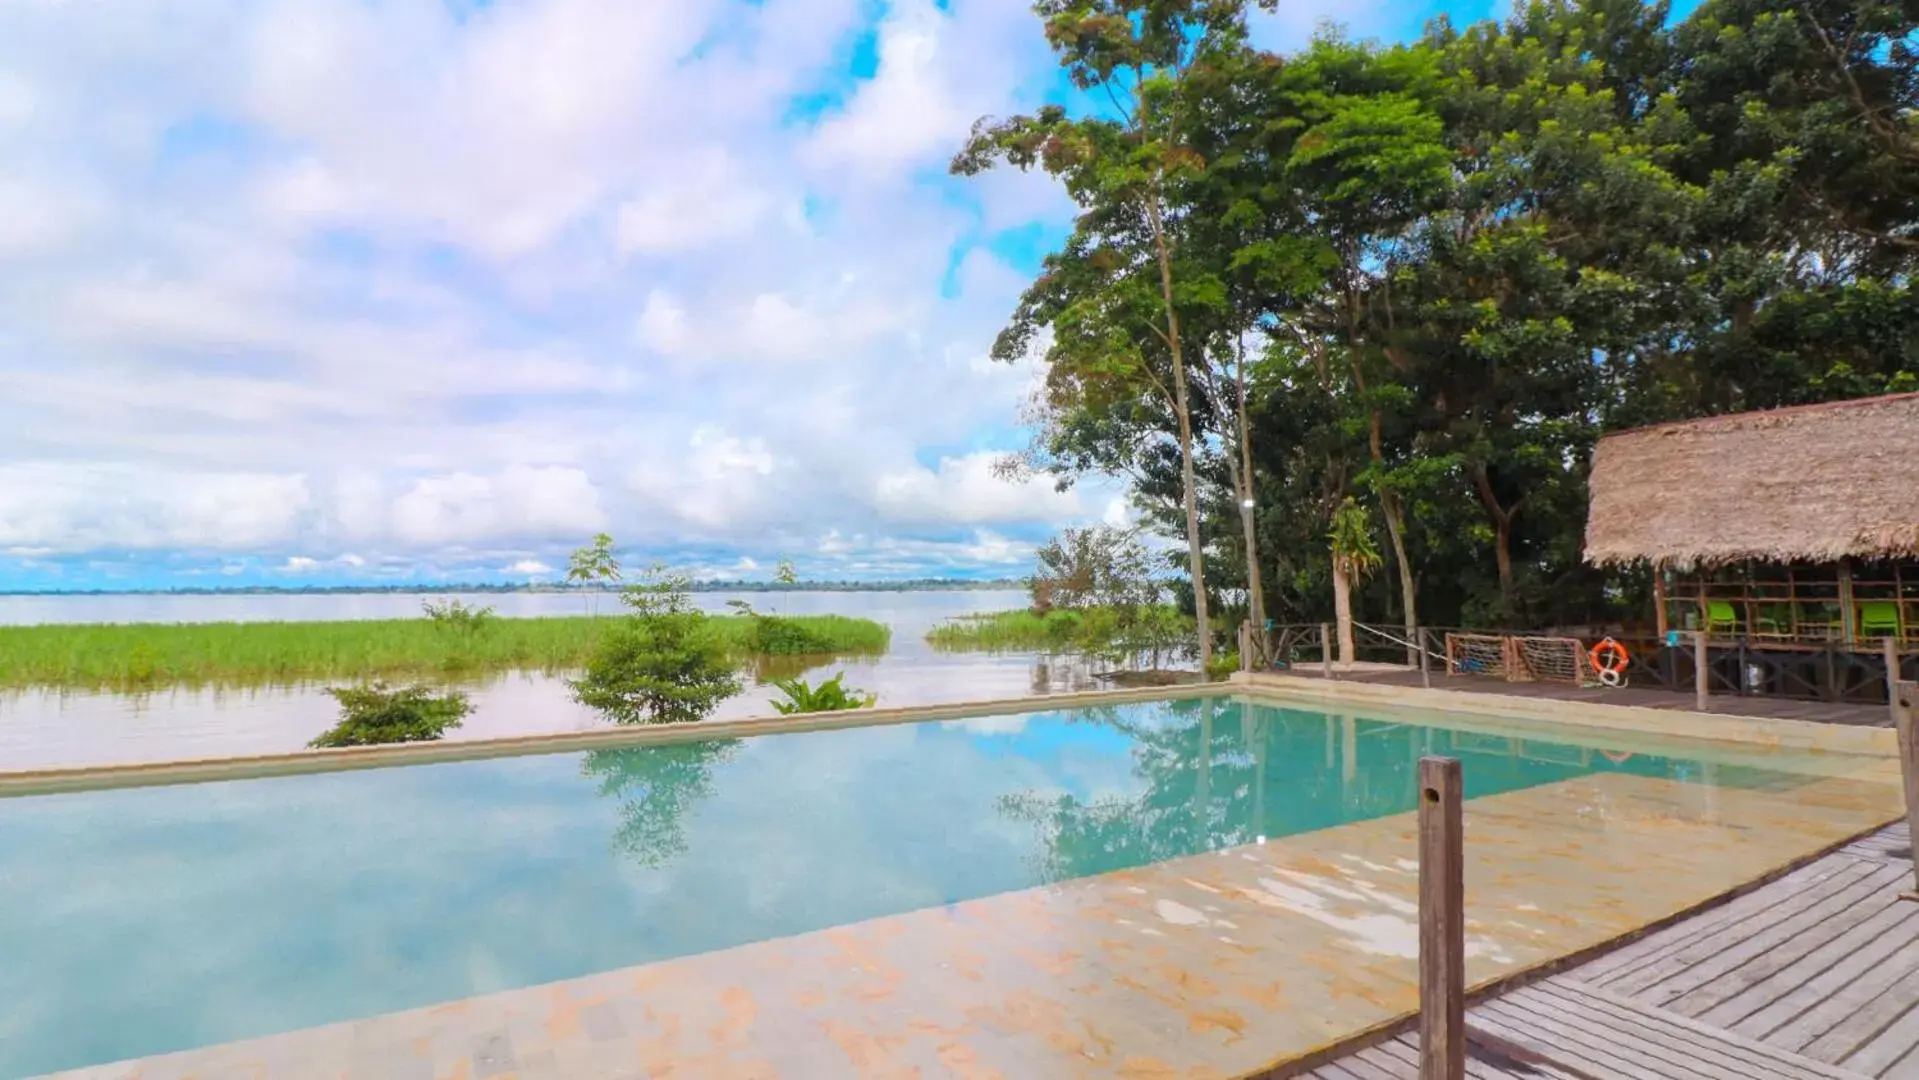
<point x="1061" y="628"/>
<point x="1008" y="630"/>
<point x="136" y="656"/>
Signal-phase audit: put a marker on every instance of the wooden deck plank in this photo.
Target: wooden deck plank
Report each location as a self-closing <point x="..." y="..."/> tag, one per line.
<point x="1570" y="1023"/>
<point x="1897" y="1042"/>
<point x="1862" y="1024"/>
<point x="1500" y="1018"/>
<point x="1811" y="977"/>
<point x="1618" y="962"/>
<point x="1715" y="1044"/>
<point x="1890" y="936"/>
<point x="1783" y="904"/>
<point x="1709" y="1053"/>
<point x="1838" y="1023"/>
<point x="1776" y="947"/>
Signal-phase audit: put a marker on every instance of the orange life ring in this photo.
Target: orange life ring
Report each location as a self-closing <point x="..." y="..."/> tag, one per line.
<point x="1615" y="757"/>
<point x="1609" y="655"/>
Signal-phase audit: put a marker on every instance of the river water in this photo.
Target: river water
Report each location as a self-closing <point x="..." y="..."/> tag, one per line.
<point x="49" y="728"/>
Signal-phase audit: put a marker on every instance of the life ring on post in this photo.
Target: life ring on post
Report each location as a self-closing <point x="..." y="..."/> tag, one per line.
<point x="1609" y="659"/>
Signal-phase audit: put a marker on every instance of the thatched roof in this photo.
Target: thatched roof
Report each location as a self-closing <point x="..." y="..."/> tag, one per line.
<point x="1813" y="483"/>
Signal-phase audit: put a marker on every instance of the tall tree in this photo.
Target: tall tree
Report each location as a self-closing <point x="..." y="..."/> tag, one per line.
<point x="1122" y="162"/>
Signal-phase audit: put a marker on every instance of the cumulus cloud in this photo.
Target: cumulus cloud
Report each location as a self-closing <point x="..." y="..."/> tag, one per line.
<point x="964" y="489"/>
<point x="532" y="567"/>
<point x="323" y="288"/>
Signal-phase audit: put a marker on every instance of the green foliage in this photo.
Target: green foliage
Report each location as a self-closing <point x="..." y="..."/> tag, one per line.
<point x="376" y="714"/>
<point x="828" y="696"/>
<point x="594" y="564"/>
<point x="1223" y="665"/>
<point x="458" y="618"/>
<point x="786" y="574"/>
<point x="1094" y="630"/>
<point x="658" y="666"/>
<point x="1352" y="539"/>
<point x="142" y="656"/>
<point x="1009" y="630"/>
<point x="1100" y="566"/>
<point x="1457" y="262"/>
<point x="775" y="635"/>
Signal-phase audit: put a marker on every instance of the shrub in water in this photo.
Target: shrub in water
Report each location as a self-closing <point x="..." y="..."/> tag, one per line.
<point x="376" y="714"/>
<point x="458" y="617"/>
<point x="774" y="636"/>
<point x="828" y="696"/>
<point x="660" y="666"/>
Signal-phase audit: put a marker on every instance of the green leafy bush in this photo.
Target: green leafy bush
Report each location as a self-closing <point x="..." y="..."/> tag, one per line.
<point x="458" y="617"/>
<point x="376" y="714"/>
<point x="1223" y="665"/>
<point x="829" y="696"/>
<point x="775" y="636"/>
<point x="660" y="665"/>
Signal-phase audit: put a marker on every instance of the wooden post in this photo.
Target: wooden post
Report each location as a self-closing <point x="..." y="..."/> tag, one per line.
<point x="1905" y="718"/>
<point x="1442" y="921"/>
<point x="1425" y="662"/>
<point x="1848" y="609"/>
<point x="1701" y="671"/>
<point x="1326" y="650"/>
<point x="1659" y="600"/>
<point x="1892" y="678"/>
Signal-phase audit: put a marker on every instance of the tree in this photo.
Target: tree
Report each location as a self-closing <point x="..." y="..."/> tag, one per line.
<point x="1136" y="55"/>
<point x="1354" y="557"/>
<point x="661" y="665"/>
<point x="378" y="714"/>
<point x="594" y="564"/>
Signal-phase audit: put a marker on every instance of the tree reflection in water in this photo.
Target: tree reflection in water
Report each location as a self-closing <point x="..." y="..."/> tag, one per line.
<point x="656" y="786"/>
<point x="1213" y="773"/>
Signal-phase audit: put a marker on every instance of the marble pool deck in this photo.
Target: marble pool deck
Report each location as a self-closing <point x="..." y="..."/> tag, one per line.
<point x="1228" y="964"/>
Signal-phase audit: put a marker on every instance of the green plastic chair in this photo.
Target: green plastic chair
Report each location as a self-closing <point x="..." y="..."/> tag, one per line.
<point x="1775" y="619"/>
<point x="1879" y="618"/>
<point x="1721" y="617"/>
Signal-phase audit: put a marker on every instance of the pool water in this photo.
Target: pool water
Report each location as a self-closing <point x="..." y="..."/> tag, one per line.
<point x="142" y="921"/>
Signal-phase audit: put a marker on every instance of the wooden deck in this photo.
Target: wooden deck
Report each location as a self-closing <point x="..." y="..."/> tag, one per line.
<point x="1814" y="975"/>
<point x="1824" y="712"/>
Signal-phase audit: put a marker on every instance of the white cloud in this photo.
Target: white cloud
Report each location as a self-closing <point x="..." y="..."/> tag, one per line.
<point x="696" y="202"/>
<point x="527" y="567"/>
<point x="75" y="508"/>
<point x="964" y="490"/>
<point x="461" y="288"/>
<point x="906" y="114"/>
<point x="530" y="502"/>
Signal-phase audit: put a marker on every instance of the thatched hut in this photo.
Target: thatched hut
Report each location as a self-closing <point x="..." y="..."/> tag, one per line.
<point x="1798" y="524"/>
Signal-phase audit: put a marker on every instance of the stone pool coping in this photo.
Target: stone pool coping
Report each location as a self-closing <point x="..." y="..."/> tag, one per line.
<point x="296" y="762"/>
<point x="1546" y="714"/>
<point x="1623" y="727"/>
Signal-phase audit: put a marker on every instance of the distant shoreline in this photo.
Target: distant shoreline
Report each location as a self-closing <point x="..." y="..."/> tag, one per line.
<point x="921" y="585"/>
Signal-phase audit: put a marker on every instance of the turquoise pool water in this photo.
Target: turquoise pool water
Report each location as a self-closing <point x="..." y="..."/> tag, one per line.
<point x="142" y="921"/>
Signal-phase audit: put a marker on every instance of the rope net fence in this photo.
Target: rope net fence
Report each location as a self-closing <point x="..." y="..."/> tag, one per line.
<point x="1478" y="654"/>
<point x="1519" y="658"/>
<point x="1550" y="659"/>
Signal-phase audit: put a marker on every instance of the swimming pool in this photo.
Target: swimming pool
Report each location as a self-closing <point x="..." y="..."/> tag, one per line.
<point x="141" y="921"/>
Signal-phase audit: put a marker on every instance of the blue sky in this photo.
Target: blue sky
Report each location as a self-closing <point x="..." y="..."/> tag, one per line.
<point x="322" y="291"/>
